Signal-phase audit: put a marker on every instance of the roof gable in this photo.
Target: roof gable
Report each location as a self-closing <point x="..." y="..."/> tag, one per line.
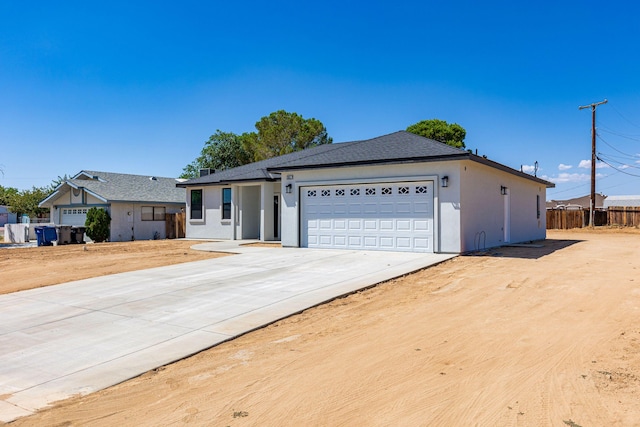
<point x="118" y="187"/>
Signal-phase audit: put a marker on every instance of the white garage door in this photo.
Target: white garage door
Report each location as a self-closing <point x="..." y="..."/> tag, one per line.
<point x="381" y="216"/>
<point x="74" y="216"/>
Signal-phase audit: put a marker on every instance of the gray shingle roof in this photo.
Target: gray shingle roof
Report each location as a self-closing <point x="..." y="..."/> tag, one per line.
<point x="258" y="170"/>
<point x="119" y="187"/>
<point x="397" y="147"/>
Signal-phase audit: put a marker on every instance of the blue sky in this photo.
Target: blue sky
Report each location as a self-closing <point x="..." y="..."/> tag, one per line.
<point x="138" y="87"/>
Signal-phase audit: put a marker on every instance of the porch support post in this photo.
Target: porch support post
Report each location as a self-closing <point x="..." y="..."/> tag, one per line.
<point x="266" y="211"/>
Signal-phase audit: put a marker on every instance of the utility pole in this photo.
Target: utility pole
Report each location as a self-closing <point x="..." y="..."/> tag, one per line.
<point x="592" y="203"/>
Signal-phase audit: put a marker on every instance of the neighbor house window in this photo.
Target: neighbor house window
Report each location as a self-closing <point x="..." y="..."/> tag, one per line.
<point x="159" y="213"/>
<point x="196" y="204"/>
<point x="538" y="205"/>
<point x="153" y="213"/>
<point x="226" y="203"/>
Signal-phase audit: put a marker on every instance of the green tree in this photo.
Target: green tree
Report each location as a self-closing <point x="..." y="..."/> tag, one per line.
<point x="26" y="202"/>
<point x="439" y="130"/>
<point x="282" y="133"/>
<point x="278" y="133"/>
<point x="223" y="150"/>
<point x="59" y="180"/>
<point x="7" y="194"/>
<point x="98" y="223"/>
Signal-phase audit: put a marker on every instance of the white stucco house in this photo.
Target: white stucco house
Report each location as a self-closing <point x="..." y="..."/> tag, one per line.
<point x="397" y="192"/>
<point x="137" y="204"/>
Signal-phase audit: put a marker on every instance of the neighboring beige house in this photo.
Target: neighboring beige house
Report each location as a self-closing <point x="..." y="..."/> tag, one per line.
<point x="137" y="204"/>
<point x="397" y="192"/>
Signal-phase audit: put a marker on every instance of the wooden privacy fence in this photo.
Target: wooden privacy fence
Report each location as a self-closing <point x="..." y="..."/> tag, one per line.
<point x="563" y="219"/>
<point x="628" y="216"/>
<point x="175" y="225"/>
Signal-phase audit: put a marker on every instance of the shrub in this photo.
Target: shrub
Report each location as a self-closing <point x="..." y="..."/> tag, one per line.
<point x="97" y="224"/>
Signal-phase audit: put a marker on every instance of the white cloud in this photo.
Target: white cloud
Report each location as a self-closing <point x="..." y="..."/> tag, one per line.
<point x="564" y="167"/>
<point x="570" y="177"/>
<point x="586" y="164"/>
<point x="528" y="168"/>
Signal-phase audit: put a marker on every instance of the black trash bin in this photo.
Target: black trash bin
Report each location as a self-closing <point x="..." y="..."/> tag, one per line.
<point x="77" y="234"/>
<point x="64" y="234"/>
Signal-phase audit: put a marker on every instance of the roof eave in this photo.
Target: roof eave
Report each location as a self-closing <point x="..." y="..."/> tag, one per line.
<point x="226" y="182"/>
<point x="446" y="157"/>
<point x="499" y="166"/>
<point x="50" y="197"/>
<point x="159" y="202"/>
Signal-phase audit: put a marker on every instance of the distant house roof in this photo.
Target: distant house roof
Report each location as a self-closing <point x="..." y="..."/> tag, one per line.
<point x="394" y="148"/>
<point x="119" y="187"/>
<point x="577" y="202"/>
<point x="622" y="201"/>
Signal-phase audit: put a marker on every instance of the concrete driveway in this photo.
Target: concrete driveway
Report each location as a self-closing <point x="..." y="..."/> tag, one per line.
<point x="83" y="336"/>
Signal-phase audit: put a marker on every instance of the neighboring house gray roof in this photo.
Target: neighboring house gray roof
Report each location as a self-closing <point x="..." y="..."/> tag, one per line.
<point x="119" y="187"/>
<point x="622" y="201"/>
<point x="397" y="147"/>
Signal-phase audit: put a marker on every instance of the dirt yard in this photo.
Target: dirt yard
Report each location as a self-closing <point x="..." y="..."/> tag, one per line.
<point x="516" y="336"/>
<point x="26" y="268"/>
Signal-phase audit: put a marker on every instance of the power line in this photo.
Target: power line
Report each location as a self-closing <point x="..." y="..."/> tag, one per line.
<point x="621" y="135"/>
<point x="613" y="159"/>
<point x="621" y="152"/>
<point x="582" y="185"/>
<point x="619" y="170"/>
<point x="621" y="115"/>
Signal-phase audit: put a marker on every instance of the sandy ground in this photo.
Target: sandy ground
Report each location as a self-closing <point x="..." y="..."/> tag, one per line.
<point x="515" y="337"/>
<point x="26" y="268"/>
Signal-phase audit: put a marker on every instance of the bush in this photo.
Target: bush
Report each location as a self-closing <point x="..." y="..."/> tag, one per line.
<point x="97" y="224"/>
